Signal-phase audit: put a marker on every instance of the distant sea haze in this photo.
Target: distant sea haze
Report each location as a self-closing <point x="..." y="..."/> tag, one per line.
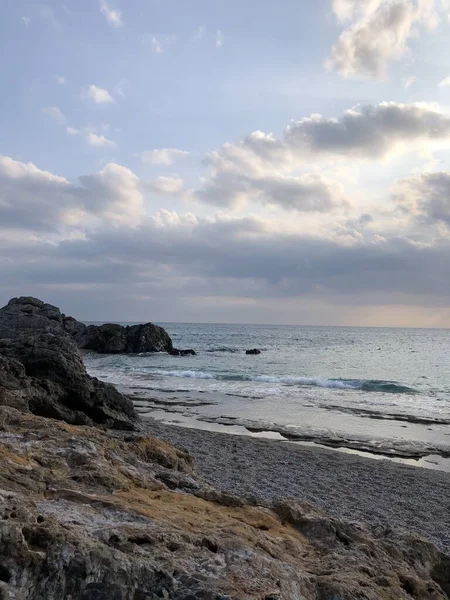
<point x="378" y="390"/>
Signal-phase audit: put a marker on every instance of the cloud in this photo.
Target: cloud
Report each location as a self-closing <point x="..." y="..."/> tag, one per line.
<point x="346" y="10"/>
<point x="112" y="15"/>
<point x="170" y="186"/>
<point x="371" y="132"/>
<point x="37" y="200"/>
<point x="72" y="131"/>
<point x="99" y="141"/>
<point x="60" y="80"/>
<point x="368" y="46"/>
<point x="243" y="258"/>
<point x="97" y="94"/>
<point x="55" y="113"/>
<point x="92" y="239"/>
<point x="26" y="21"/>
<point x="162" y="156"/>
<point x="426" y="196"/>
<point x="378" y="34"/>
<point x="305" y="193"/>
<point x="220" y="39"/>
<point x="445" y="82"/>
<point x="279" y="172"/>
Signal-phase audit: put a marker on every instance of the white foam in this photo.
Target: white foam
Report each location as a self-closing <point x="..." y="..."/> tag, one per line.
<point x="187" y="374"/>
<point x="317" y="381"/>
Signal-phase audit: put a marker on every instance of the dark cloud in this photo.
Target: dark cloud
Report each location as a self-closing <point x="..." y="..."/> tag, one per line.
<point x="370" y="131"/>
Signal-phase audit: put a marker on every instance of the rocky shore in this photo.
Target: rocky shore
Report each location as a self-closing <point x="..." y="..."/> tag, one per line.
<point x="94" y="506"/>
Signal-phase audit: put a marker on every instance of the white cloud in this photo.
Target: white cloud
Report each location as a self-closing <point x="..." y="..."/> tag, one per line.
<point x="99" y="141"/>
<point x="162" y="156"/>
<point x="445" y="82"/>
<point x="72" y="131"/>
<point x="98" y="95"/>
<point x="26" y="21"/>
<point x="261" y="168"/>
<point x="368" y="46"/>
<point x="346" y="10"/>
<point x="60" y="80"/>
<point x="168" y="185"/>
<point x="112" y="15"/>
<point x="36" y="200"/>
<point x="55" y="113"/>
<point x="378" y="34"/>
<point x="220" y="38"/>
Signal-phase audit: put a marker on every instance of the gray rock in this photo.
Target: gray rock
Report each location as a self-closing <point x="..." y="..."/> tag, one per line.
<point x="254" y="351"/>
<point x="42" y="371"/>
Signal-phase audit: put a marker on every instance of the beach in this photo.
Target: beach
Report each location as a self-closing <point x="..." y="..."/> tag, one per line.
<point x="347" y="486"/>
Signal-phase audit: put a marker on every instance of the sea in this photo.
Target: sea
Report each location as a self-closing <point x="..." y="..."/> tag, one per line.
<point x="379" y="392"/>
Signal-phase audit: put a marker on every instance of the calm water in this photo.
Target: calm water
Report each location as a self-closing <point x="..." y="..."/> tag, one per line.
<point x="383" y="390"/>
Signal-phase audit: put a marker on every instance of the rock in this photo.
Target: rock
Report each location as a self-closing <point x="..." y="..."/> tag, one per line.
<point x="177" y="352"/>
<point x="41" y="370"/>
<point x="118" y="339"/>
<point x="254" y="351"/>
<point x="85" y="514"/>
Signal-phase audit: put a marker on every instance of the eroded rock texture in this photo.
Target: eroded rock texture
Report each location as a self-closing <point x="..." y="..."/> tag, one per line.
<point x="93" y="515"/>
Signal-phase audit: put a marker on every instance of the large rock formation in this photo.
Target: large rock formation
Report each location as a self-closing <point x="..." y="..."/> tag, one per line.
<point x="41" y="370"/>
<point x="93" y="515"/>
<point x="118" y="339"/>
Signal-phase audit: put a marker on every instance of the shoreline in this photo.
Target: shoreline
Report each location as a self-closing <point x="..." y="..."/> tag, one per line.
<point x="347" y="486"/>
<point x="182" y="412"/>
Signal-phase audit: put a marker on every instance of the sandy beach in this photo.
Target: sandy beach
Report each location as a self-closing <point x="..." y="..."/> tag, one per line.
<point x="347" y="486"/>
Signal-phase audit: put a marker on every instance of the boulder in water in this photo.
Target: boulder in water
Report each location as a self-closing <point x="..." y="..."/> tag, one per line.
<point x="254" y="351"/>
<point x="188" y="352"/>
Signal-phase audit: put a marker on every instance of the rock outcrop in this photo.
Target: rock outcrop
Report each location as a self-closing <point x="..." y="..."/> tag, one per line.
<point x="93" y="515"/>
<point x="42" y="371"/>
<point x="254" y="351"/>
<point x="112" y="338"/>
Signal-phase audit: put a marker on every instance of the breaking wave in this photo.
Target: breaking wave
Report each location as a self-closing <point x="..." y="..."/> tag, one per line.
<point x="390" y="387"/>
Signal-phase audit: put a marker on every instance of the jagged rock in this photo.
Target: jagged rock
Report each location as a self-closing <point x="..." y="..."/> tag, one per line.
<point x="255" y="351"/>
<point x="112" y="338"/>
<point x="188" y="352"/>
<point x="41" y="370"/>
<point x="87" y="515"/>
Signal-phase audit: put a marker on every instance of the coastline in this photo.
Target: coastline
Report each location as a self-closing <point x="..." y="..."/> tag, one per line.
<point x="347" y="486"/>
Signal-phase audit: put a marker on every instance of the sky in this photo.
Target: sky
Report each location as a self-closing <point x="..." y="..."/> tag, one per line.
<point x="245" y="161"/>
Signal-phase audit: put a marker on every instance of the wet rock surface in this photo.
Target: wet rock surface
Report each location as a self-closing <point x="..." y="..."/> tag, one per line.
<point x="42" y="371"/>
<point x="87" y="514"/>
